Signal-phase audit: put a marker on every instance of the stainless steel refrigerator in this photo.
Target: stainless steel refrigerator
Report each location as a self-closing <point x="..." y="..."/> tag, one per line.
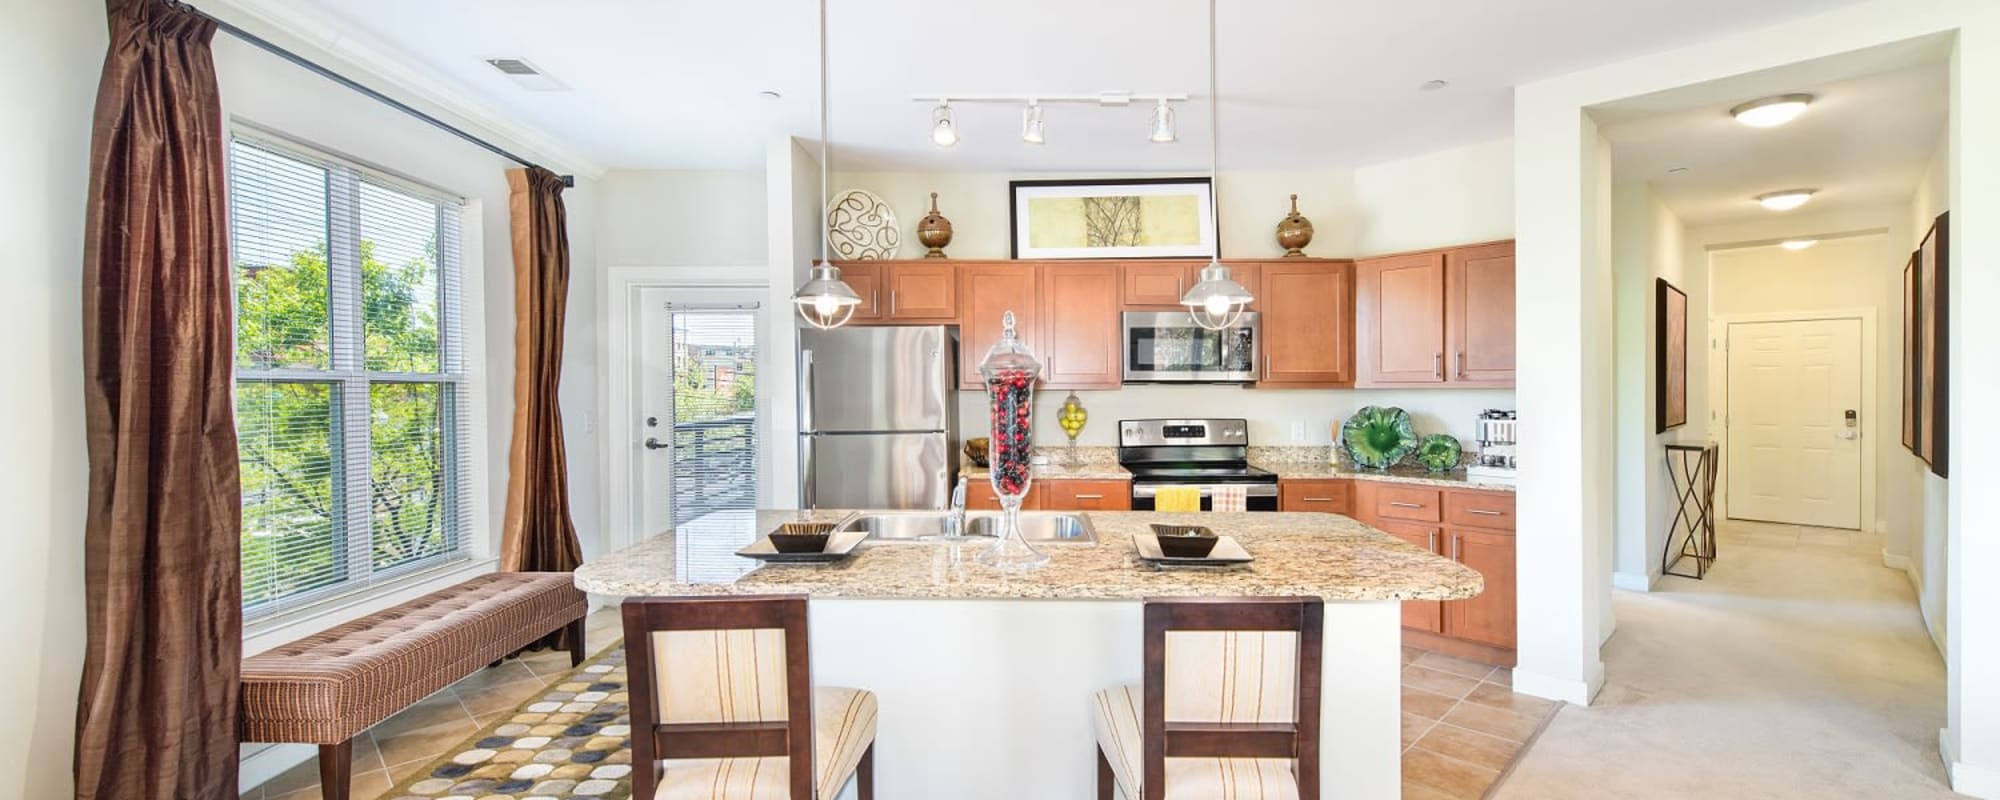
<point x="878" y="417"/>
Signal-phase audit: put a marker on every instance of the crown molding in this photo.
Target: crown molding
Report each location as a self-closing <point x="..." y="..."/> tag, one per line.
<point x="399" y="76"/>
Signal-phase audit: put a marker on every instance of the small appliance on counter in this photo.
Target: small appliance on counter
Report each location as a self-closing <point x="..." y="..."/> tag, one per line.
<point x="1203" y="454"/>
<point x="1496" y="438"/>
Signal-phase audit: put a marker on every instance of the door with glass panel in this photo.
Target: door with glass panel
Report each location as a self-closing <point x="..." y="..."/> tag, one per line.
<point x="699" y="407"/>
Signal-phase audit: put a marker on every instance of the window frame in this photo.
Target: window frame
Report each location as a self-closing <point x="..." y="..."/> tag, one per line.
<point x="350" y="380"/>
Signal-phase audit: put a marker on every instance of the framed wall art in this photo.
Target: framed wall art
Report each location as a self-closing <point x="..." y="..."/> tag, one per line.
<point x="1911" y="322"/>
<point x="1933" y="379"/>
<point x="1670" y="338"/>
<point x="1128" y="218"/>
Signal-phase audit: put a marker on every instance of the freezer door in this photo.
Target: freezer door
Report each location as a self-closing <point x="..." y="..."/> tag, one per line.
<point x="876" y="379"/>
<point x="877" y="471"/>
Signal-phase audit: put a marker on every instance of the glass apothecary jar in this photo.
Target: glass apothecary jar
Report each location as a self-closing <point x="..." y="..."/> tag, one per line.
<point x="1010" y="370"/>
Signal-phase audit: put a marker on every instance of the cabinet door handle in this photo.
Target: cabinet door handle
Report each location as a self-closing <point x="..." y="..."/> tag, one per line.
<point x="1434" y="541"/>
<point x="1437" y="365"/>
<point x="1455" y="540"/>
<point x="875" y="300"/>
<point x="1319" y="499"/>
<point x="1401" y="504"/>
<point x="892" y="302"/>
<point x="1461" y="363"/>
<point x="1484" y="512"/>
<point x="1090" y="497"/>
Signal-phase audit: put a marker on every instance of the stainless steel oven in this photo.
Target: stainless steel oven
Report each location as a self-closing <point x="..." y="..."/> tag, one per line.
<point x="1167" y="347"/>
<point x="1201" y="453"/>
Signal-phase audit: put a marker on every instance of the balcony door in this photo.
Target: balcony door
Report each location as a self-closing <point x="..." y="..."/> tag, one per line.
<point x="699" y="401"/>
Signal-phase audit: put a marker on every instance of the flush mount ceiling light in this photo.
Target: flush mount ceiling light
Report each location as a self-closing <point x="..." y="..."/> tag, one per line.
<point x="944" y="132"/>
<point x="1031" y="124"/>
<point x="1797" y="244"/>
<point x="944" y="129"/>
<point x="1217" y="301"/>
<point x="1770" y="112"/>
<point x="1433" y="85"/>
<point x="1163" y="125"/>
<point x="1786" y="200"/>
<point x="825" y="301"/>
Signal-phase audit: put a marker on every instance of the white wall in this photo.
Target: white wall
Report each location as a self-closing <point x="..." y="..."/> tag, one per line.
<point x="793" y="229"/>
<point x="54" y="50"/>
<point x="675" y="218"/>
<point x="1457" y="196"/>
<point x="1648" y="244"/>
<point x="1556" y="215"/>
<point x="1923" y="497"/>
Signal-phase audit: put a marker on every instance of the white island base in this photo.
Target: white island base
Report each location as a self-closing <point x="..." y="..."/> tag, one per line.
<point x="991" y="699"/>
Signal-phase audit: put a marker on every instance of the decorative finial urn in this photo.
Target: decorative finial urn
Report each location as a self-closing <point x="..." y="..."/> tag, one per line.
<point x="934" y="231"/>
<point x="1294" y="231"/>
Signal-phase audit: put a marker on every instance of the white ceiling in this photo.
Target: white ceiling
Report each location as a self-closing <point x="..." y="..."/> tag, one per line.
<point x="674" y="83"/>
<point x="1864" y="142"/>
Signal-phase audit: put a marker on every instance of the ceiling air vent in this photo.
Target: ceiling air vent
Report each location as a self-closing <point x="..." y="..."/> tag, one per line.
<point x="527" y="75"/>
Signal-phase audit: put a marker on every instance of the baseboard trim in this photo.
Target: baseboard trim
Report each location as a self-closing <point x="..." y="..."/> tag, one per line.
<point x="1471" y="651"/>
<point x="1574" y="692"/>
<point x="1898" y="561"/>
<point x="1632" y="582"/>
<point x="1972" y="780"/>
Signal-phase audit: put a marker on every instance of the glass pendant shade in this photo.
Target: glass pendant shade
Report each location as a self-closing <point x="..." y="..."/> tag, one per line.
<point x="825" y="301"/>
<point x="1217" y="300"/>
<point x="1163" y="124"/>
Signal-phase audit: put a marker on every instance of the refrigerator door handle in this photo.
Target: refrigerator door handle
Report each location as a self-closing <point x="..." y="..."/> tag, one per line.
<point x="808" y="495"/>
<point x="806" y="394"/>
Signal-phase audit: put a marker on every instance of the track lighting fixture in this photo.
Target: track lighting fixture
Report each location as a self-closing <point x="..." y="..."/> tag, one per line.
<point x="944" y="132"/>
<point x="1163" y="124"/>
<point x="1031" y="124"/>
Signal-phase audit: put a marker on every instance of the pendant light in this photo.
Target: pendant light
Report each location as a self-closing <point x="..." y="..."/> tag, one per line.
<point x="1217" y="300"/>
<point x="824" y="301"/>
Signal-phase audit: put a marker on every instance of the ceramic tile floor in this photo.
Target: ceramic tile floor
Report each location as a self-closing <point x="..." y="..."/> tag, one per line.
<point x="1463" y="726"/>
<point x="401" y="744"/>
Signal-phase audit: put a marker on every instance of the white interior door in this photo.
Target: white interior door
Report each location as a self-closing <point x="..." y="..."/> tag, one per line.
<point x="700" y="411"/>
<point x="1794" y="422"/>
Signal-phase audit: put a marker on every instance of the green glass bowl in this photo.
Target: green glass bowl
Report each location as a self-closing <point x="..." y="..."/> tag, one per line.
<point x="1378" y="437"/>
<point x="1439" y="452"/>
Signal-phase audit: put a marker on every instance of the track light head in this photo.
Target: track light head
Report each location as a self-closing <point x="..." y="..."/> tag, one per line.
<point x="944" y="132"/>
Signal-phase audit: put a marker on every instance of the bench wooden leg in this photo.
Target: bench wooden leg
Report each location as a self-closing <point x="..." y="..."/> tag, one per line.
<point x="576" y="649"/>
<point x="336" y="769"/>
<point x="864" y="775"/>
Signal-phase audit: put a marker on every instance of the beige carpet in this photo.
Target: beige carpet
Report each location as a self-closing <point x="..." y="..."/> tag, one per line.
<point x="1799" y="669"/>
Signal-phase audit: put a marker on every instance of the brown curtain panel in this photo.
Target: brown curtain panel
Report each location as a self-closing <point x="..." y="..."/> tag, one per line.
<point x="157" y="715"/>
<point x="537" y="535"/>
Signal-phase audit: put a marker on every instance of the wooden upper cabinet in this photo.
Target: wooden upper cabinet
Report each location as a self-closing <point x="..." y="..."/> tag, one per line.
<point x="922" y="292"/>
<point x="1400" y="320"/>
<point x="1479" y="319"/>
<point x="1307" y="309"/>
<point x="1489" y="618"/>
<point x="866" y="280"/>
<point x="1153" y="285"/>
<point x="1081" y="341"/>
<point x="991" y="290"/>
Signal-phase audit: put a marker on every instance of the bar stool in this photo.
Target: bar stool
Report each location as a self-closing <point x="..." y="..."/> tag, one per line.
<point x="1239" y="678"/>
<point x="724" y="708"/>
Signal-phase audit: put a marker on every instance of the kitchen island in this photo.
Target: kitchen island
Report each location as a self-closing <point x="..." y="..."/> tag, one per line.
<point x="985" y="678"/>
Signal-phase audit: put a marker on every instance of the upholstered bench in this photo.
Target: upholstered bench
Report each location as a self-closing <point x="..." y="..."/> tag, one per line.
<point x="328" y="687"/>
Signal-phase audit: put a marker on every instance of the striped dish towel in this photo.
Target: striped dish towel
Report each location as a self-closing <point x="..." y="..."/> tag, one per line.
<point x="1231" y="497"/>
<point x="1177" y="498"/>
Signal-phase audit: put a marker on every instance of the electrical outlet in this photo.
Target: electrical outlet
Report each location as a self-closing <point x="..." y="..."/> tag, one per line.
<point x="1298" y="432"/>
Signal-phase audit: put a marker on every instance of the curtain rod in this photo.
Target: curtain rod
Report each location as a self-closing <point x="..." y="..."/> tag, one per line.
<point x="267" y="46"/>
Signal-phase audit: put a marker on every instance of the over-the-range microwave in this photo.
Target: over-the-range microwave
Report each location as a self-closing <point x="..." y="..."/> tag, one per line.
<point x="1168" y="347"/>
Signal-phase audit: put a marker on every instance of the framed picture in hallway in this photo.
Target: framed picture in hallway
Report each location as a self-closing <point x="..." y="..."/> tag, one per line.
<point x="1910" y="324"/>
<point x="1933" y="383"/>
<point x="1670" y="343"/>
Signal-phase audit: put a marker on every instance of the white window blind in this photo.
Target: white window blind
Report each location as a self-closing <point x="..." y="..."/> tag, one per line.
<point x="351" y="396"/>
<point x="713" y="401"/>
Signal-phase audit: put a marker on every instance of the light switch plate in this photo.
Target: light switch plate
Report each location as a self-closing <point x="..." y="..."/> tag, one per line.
<point x="1298" y="432"/>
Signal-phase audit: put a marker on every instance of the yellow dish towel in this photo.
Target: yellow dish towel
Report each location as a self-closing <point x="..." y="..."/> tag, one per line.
<point x="1177" y="498"/>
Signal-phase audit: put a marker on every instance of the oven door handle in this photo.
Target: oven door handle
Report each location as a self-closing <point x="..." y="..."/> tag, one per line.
<point x="1142" y="490"/>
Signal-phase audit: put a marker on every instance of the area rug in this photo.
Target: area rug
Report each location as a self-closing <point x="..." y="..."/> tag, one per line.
<point x="572" y="742"/>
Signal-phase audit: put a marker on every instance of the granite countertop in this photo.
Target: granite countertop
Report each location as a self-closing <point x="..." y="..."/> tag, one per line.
<point x="1315" y="463"/>
<point x="1094" y="464"/>
<point x="1297" y="554"/>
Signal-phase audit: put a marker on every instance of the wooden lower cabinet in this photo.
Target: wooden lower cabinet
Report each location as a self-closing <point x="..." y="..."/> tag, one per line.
<point x="1055" y="495"/>
<point x="1483" y="627"/>
<point x="1331" y="496"/>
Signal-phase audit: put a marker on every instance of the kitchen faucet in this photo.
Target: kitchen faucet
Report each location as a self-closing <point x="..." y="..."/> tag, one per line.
<point x="955" y="524"/>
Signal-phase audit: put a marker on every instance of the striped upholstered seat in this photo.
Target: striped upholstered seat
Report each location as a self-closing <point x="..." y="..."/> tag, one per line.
<point x="1212" y="677"/>
<point x="717" y="688"/>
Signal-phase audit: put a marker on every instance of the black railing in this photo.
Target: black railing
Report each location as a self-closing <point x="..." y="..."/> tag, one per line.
<point x="715" y="466"/>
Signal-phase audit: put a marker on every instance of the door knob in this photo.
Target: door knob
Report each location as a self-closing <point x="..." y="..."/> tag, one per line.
<point x="655" y="444"/>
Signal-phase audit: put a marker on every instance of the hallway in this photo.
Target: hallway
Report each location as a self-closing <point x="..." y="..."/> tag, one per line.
<point x="1799" y="669"/>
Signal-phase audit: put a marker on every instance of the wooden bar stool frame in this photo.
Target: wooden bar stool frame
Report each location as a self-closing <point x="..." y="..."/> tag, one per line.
<point x="1298" y="740"/>
<point x="791" y="737"/>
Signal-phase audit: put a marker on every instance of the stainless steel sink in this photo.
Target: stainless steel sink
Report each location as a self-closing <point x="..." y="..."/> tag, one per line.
<point x="1036" y="526"/>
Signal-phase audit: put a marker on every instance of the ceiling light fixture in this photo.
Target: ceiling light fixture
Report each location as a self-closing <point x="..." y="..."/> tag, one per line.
<point x="1786" y="200"/>
<point x="944" y="132"/>
<point x="770" y="94"/>
<point x="1163" y="124"/>
<point x="1216" y="301"/>
<point x="1433" y="85"/>
<point x="824" y="301"/>
<point x="1797" y="244"/>
<point x="1770" y="112"/>
<point x="1031" y="124"/>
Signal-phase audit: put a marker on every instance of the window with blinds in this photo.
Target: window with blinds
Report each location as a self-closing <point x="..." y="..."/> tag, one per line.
<point x="351" y="395"/>
<point x="714" y="396"/>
